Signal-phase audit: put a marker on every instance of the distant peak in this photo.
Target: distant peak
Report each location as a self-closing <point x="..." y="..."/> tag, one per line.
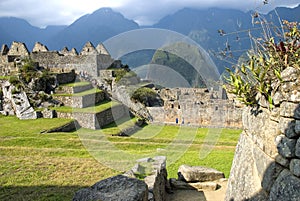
<point x="105" y="10"/>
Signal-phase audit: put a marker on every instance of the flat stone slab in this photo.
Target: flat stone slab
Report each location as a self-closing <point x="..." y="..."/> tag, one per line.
<point x="117" y="188"/>
<point x="198" y="174"/>
<point x="199" y="186"/>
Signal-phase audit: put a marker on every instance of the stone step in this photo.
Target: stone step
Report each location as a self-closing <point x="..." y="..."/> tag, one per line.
<point x="94" y="117"/>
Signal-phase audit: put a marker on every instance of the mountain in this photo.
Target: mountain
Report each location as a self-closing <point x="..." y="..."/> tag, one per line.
<point x="96" y="27"/>
<point x="16" y="29"/>
<point x="224" y="33"/>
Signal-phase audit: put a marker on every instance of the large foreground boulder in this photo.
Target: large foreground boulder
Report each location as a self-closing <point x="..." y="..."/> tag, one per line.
<point x="117" y="188"/>
<point x="198" y="174"/>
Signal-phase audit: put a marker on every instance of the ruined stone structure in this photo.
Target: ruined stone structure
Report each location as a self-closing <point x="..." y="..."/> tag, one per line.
<point x="266" y="165"/>
<point x="188" y="106"/>
<point x="197" y="106"/>
<point x="90" y="60"/>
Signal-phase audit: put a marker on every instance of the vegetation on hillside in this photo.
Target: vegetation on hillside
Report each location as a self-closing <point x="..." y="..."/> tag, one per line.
<point x="261" y="74"/>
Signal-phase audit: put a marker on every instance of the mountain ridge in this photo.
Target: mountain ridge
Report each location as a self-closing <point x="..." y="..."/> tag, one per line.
<point x="201" y="25"/>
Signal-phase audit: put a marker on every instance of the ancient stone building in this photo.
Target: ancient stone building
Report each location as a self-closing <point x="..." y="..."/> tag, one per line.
<point x="90" y="60"/>
<point x="197" y="106"/>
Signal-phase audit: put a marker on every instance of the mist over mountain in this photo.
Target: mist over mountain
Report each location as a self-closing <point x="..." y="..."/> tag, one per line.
<point x="216" y="30"/>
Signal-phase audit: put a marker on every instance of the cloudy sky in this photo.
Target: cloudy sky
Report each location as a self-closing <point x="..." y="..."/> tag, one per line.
<point x="145" y="12"/>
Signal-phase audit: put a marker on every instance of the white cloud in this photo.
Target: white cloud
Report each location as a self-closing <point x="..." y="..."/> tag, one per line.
<point x="64" y="12"/>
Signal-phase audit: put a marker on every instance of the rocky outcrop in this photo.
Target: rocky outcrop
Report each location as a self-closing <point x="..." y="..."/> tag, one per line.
<point x="266" y="163"/>
<point x="118" y="188"/>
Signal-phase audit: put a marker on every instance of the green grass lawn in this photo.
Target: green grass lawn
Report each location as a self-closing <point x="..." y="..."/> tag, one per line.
<point x="53" y="166"/>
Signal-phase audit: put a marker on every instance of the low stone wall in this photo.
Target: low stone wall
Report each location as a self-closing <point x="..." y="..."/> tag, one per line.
<point x="266" y="164"/>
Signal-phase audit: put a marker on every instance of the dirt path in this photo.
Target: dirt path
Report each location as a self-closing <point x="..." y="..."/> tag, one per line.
<point x="193" y="195"/>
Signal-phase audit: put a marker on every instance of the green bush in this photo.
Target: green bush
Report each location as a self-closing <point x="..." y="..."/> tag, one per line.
<point x="258" y="75"/>
<point x="144" y="95"/>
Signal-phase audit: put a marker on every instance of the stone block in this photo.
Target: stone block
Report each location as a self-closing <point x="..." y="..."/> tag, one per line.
<point x="278" y="98"/>
<point x="287" y="109"/>
<point x="181" y="185"/>
<point x="282" y="161"/>
<point x="287" y="127"/>
<point x="266" y="168"/>
<point x="114" y="188"/>
<point x="49" y="114"/>
<point x="286" y="187"/>
<point x="289" y="74"/>
<point x="294" y="97"/>
<point x="295" y="167"/>
<point x="297" y="127"/>
<point x="198" y="173"/>
<point x="297" y="152"/>
<point x="244" y="181"/>
<point x="287" y="147"/>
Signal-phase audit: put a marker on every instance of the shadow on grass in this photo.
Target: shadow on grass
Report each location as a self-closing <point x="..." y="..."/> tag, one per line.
<point x="38" y="193"/>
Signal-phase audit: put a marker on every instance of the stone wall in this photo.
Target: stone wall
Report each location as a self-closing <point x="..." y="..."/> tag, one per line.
<point x="266" y="165"/>
<point x="82" y="101"/>
<point x="72" y="89"/>
<point x="100" y="119"/>
<point x="96" y="120"/>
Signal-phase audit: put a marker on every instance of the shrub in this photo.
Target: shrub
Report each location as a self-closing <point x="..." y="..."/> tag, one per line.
<point x="144" y="95"/>
<point x="264" y="67"/>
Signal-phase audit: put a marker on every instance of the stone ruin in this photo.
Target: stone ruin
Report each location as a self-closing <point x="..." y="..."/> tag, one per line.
<point x="147" y="181"/>
<point x="90" y="60"/>
<point x="197" y="106"/>
<point x="188" y="106"/>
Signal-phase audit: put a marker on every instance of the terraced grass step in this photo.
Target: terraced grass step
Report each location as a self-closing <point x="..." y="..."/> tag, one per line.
<point x="73" y="88"/>
<point x="94" y="117"/>
<point x="83" y="99"/>
<point x="92" y="109"/>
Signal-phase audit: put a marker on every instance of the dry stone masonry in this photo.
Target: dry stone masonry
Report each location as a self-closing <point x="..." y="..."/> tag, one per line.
<point x="266" y="165"/>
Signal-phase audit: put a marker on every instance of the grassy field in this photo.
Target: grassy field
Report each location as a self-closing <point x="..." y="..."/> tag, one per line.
<point x="53" y="166"/>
